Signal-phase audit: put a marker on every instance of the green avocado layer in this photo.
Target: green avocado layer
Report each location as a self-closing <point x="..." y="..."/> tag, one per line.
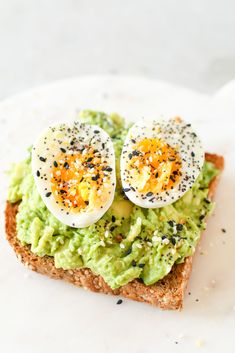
<point x="128" y="242"/>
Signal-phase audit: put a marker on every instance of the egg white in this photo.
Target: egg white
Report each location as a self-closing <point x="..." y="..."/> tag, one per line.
<point x="51" y="148"/>
<point x="177" y="134"/>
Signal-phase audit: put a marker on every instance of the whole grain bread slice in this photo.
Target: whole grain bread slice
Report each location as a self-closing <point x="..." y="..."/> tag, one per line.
<point x="167" y="293"/>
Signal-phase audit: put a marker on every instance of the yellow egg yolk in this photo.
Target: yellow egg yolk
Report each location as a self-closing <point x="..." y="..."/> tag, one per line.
<point x="80" y="180"/>
<point x="154" y="166"/>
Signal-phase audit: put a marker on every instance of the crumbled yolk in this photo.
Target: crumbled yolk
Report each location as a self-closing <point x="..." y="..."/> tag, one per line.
<point x="154" y="166"/>
<point x="79" y="180"/>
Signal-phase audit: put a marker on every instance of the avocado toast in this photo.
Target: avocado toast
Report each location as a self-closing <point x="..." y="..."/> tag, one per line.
<point x="168" y="285"/>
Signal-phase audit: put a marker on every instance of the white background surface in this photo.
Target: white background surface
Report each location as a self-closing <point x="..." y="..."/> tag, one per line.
<point x="190" y="43"/>
<point x="38" y="314"/>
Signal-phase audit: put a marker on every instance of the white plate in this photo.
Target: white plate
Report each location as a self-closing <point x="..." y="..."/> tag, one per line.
<point x="38" y="314"/>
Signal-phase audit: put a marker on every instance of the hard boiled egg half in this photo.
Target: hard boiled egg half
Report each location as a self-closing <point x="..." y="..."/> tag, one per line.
<point x="160" y="161"/>
<point x="74" y="171"/>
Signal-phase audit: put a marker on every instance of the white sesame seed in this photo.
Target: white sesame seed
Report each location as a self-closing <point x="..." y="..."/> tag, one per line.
<point x="166" y="241"/>
<point x="149" y="243"/>
<point x="79" y="251"/>
<point x="106" y="234"/>
<point x="139" y="246"/>
<point x="156" y="238"/>
<point x="122" y="246"/>
<point x="102" y="243"/>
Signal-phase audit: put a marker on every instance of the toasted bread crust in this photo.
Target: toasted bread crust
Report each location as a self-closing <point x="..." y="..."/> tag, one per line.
<point x="167" y="293"/>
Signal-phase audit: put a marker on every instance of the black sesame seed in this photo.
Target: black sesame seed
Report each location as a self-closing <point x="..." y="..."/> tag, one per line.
<point x="126" y="189"/>
<point x="96" y="177"/>
<point x="63" y="149"/>
<point x="90" y="165"/>
<point x="149" y="194"/>
<point x="173" y="240"/>
<point x="141" y="265"/>
<point x="107" y="169"/>
<point x="130" y="155"/>
<point x="42" y="159"/>
<point x="48" y="194"/>
<point x="66" y="165"/>
<point x="202" y="217"/>
<point x="89" y="159"/>
<point x="112" y="228"/>
<point x="87" y="203"/>
<point x="119" y="301"/>
<point x="223" y="230"/>
<point x="128" y="252"/>
<point x="96" y="131"/>
<point x="113" y="218"/>
<point x="55" y="164"/>
<point x="171" y="223"/>
<point x="156" y="175"/>
<point x="179" y="227"/>
<point x="136" y="153"/>
<point x="133" y="263"/>
<point x="63" y="191"/>
<point x="38" y="173"/>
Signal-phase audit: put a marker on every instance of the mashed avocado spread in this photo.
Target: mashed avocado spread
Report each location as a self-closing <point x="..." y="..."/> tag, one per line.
<point x="128" y="242"/>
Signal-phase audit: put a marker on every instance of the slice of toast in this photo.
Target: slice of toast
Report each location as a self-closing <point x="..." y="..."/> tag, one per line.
<point x="167" y="293"/>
